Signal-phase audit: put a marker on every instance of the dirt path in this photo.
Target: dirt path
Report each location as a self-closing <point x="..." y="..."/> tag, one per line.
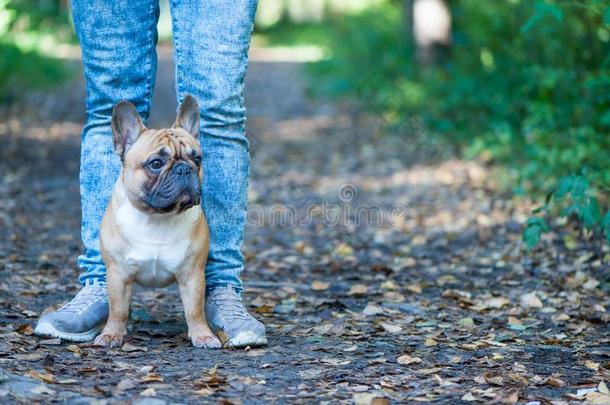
<point x="382" y="269"/>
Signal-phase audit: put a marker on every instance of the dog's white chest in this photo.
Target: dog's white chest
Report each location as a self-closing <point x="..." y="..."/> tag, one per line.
<point x="156" y="248"/>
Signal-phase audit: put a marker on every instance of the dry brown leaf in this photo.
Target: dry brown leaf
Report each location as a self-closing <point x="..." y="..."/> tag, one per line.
<point x="25" y="329"/>
<point x="151" y="377"/>
<point x="47" y="378"/>
<point x="318" y="285"/>
<point x="415" y="288"/>
<point x="494" y="380"/>
<point x="358" y="289"/>
<point x="591" y="365"/>
<point x="597" y="398"/>
<point x="204" y="392"/>
<point x="531" y="300"/>
<point x="405" y="360"/>
<point x="495" y="302"/>
<point x="343" y="250"/>
<point x="73" y="348"/>
<point x="430" y="342"/>
<point x="131" y="348"/>
<point x="555" y="382"/>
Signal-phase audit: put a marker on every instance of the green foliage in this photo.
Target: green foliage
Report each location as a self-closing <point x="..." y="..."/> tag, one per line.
<point x="20" y="70"/>
<point x="287" y="34"/>
<point x="527" y="83"/>
<point x="26" y="28"/>
<point x="573" y="195"/>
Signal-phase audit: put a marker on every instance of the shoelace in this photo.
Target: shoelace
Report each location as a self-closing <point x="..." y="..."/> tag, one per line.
<point x="86" y="296"/>
<point x="230" y="305"/>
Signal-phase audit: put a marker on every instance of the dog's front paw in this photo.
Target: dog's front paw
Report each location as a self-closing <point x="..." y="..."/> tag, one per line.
<point x="206" y="340"/>
<point x="109" y="339"/>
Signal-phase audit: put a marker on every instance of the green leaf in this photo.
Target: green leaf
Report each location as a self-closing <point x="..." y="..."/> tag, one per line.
<point x="539" y="222"/>
<point x="531" y="236"/>
<point x="591" y="215"/>
<point x="564" y="186"/>
<point x="607" y="16"/>
<point x="579" y="187"/>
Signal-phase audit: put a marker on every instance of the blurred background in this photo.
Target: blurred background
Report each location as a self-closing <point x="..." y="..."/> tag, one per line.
<point x="428" y="203"/>
<point x="522" y="85"/>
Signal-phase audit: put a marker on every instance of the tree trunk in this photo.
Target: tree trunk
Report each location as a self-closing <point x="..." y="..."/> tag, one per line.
<point x="429" y="24"/>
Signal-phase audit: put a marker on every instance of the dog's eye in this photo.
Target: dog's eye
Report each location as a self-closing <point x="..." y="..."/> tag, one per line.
<point x="197" y="161"/>
<point x="155" y="164"/>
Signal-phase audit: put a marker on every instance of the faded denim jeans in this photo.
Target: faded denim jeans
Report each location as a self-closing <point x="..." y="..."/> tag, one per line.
<point x="211" y="41"/>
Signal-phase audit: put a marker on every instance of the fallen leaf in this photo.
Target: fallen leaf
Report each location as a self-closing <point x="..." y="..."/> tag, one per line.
<point x="468" y="397"/>
<point x="131" y="348"/>
<point x="25" y="329"/>
<point x="368" y="398"/>
<point x="151" y="377"/>
<point x="430" y="342"/>
<point x="495" y="302"/>
<point x="343" y="250"/>
<point x="320" y="285"/>
<point x="405" y="360"/>
<point x="372" y="309"/>
<point x="591" y="284"/>
<point x="73" y="348"/>
<point x="597" y="398"/>
<point x="591" y="365"/>
<point x="391" y="328"/>
<point x="204" y="392"/>
<point x="530" y="300"/>
<point x="555" y="382"/>
<point x="126" y="384"/>
<point x="29" y="356"/>
<point x="51" y="342"/>
<point x="255" y="352"/>
<point x="358" y="289"/>
<point x="148" y="392"/>
<point x="47" y="378"/>
<point x="415" y="288"/>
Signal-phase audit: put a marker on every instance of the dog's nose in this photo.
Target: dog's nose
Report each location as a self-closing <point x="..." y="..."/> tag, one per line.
<point x="181" y="169"/>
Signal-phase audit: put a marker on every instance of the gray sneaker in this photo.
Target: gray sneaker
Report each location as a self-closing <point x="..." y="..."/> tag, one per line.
<point x="81" y="319"/>
<point x="230" y="321"/>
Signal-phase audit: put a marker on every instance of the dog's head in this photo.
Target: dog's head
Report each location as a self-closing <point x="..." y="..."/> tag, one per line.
<point x="161" y="168"/>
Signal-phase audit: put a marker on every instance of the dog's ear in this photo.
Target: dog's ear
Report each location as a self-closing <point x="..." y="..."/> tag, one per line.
<point x="126" y="126"/>
<point x="188" y="115"/>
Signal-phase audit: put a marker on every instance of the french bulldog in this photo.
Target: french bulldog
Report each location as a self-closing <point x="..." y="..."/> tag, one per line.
<point x="154" y="232"/>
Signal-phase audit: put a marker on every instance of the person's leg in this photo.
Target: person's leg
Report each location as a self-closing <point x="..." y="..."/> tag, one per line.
<point x="118" y="47"/>
<point x="211" y="40"/>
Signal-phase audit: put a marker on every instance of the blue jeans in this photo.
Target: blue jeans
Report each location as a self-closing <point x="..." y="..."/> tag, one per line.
<point x="211" y="41"/>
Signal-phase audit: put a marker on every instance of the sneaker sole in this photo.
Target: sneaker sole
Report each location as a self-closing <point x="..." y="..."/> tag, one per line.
<point x="246" y="339"/>
<point x="46" y="329"/>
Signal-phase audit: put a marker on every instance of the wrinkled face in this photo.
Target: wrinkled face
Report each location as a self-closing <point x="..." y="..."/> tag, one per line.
<point x="161" y="168"/>
<point x="162" y="171"/>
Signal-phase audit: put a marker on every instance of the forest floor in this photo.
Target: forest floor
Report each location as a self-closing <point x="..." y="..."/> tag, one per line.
<point x="384" y="269"/>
